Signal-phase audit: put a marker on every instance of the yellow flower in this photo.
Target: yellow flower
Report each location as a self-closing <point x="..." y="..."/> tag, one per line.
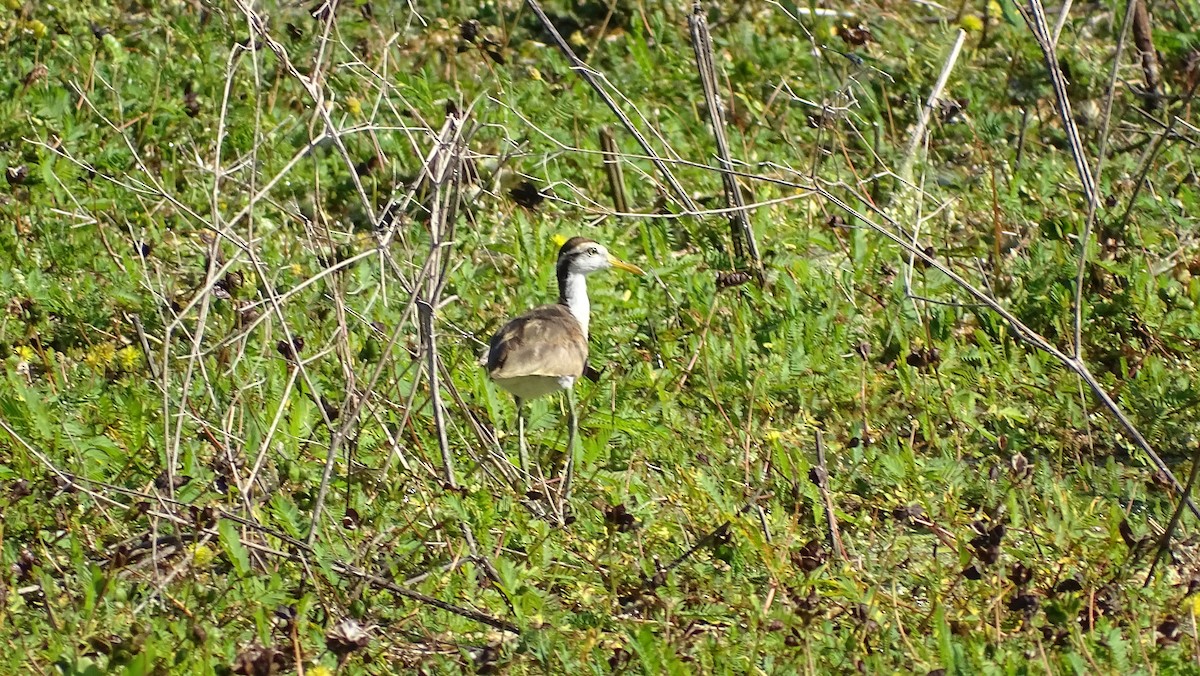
<point x="202" y="556"/>
<point x="128" y="358"/>
<point x="37" y="28"/>
<point x="101" y="356"/>
<point x="354" y="105"/>
<point x="971" y="23"/>
<point x="25" y="353"/>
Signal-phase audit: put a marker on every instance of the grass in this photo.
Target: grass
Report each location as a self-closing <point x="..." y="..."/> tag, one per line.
<point x="203" y="310"/>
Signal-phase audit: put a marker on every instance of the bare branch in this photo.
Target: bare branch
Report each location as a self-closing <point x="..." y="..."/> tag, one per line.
<point x="589" y="76"/>
<point x="739" y="222"/>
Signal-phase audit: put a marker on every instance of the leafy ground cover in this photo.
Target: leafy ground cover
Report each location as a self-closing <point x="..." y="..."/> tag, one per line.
<point x="230" y="446"/>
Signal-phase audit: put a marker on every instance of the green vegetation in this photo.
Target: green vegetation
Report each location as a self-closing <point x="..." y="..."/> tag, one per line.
<point x="214" y="229"/>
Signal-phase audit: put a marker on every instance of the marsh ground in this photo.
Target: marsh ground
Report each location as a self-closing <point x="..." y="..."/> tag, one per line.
<point x="221" y="232"/>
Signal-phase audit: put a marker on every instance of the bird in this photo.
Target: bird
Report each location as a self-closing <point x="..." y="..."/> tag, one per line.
<point x="545" y="350"/>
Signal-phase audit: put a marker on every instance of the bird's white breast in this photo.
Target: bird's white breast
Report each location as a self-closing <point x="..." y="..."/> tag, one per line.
<point x="531" y="387"/>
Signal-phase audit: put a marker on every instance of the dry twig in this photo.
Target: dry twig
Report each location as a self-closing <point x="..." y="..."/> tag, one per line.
<point x="739" y="220"/>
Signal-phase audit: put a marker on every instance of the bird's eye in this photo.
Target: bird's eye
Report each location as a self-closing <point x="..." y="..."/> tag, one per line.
<point x="593" y="251"/>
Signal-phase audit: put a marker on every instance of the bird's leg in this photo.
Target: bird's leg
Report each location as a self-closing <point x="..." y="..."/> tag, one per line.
<point x="522" y="449"/>
<point x="572" y="442"/>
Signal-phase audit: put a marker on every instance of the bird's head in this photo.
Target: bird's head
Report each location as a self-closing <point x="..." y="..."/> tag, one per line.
<point x="580" y="255"/>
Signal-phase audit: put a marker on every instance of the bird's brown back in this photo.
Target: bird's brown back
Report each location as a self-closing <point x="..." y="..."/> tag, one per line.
<point x="546" y="341"/>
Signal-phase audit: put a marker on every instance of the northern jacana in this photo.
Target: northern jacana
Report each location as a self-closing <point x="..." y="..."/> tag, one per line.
<point x="545" y="350"/>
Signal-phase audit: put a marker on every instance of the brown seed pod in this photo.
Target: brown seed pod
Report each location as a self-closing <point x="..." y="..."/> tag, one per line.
<point x="527" y="195"/>
<point x="855" y="36"/>
<point x="468" y="30"/>
<point x="346" y="637"/>
<point x="733" y="278"/>
<point x="292" y="349"/>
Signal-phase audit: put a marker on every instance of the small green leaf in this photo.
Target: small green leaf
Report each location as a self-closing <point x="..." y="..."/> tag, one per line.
<point x="232" y="543"/>
<point x="113" y="46"/>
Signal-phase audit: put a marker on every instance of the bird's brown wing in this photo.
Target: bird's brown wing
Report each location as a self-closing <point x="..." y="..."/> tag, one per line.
<point x="546" y="341"/>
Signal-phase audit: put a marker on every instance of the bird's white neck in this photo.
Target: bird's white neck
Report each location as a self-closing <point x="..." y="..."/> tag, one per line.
<point x="575" y="296"/>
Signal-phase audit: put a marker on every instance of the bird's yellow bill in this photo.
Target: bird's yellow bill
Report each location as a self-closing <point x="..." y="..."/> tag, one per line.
<point x="627" y="267"/>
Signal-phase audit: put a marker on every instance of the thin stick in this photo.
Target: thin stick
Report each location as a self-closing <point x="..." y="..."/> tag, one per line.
<point x="914" y="141"/>
<point x="487" y="441"/>
<point x="1152" y="152"/>
<point x="1062" y="20"/>
<point x="337" y="566"/>
<point x="612" y="167"/>
<point x="589" y="76"/>
<point x="1085" y="239"/>
<point x="448" y="137"/>
<point x="835" y="537"/>
<point x="660" y="577"/>
<point x="439" y="415"/>
<point x="1023" y="332"/>
<point x="441" y="224"/>
<point x="1035" y="17"/>
<point x="446" y="177"/>
<point x="739" y="220"/>
<point x="1144" y="39"/>
<point x="1164" y="542"/>
<point x="384" y="583"/>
